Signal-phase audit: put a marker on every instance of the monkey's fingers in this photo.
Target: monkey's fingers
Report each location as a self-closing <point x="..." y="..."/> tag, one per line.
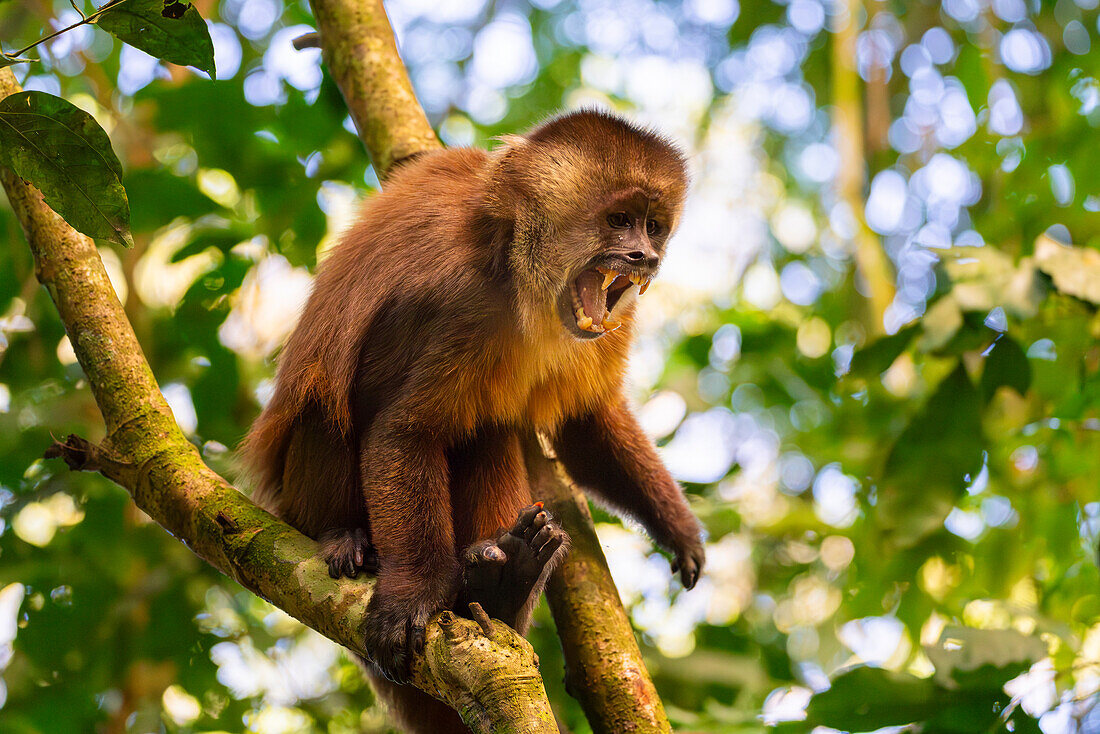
<point x="341" y="566"/>
<point x="347" y="551"/>
<point x="526" y="515"/>
<point x="551" y="546"/>
<point x="690" y="566"/>
<point x="542" y="536"/>
<point x="538" y="523"/>
<point x="416" y="638"/>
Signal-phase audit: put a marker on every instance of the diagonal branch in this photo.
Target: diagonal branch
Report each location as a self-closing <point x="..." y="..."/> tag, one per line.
<point x="604" y="667"/>
<point x="359" y="49"/>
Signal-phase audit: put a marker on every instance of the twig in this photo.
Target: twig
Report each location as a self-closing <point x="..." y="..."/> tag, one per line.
<point x="307" y="40"/>
<point x="481" y="618"/>
<point x="85" y="19"/>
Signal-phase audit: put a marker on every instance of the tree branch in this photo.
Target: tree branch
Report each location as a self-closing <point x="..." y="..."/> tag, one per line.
<point x="491" y="679"/>
<point x="604" y="667"/>
<point x="359" y="49"/>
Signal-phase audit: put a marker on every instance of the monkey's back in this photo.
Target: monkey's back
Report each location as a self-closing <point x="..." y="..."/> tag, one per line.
<point x="390" y="253"/>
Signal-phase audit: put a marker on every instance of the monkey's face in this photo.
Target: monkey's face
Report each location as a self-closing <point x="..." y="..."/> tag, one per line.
<point x="618" y="254"/>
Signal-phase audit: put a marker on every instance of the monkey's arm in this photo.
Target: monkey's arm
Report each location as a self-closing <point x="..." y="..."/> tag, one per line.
<point x="405" y="480"/>
<point x="607" y="452"/>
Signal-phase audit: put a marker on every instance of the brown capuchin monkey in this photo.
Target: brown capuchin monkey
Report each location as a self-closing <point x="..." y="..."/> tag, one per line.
<point x="479" y="296"/>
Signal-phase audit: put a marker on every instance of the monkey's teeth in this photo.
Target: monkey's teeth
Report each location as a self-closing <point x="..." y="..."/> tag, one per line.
<point x="584" y="320"/>
<point x="644" y="286"/>
<point x="608" y="277"/>
<point x="610" y="324"/>
<point x="641" y="281"/>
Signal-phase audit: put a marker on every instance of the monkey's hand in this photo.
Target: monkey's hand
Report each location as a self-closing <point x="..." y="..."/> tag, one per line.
<point x="395" y="630"/>
<point x="690" y="557"/>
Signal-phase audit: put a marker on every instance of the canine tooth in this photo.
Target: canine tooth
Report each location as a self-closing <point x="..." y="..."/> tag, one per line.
<point x="611" y="324"/>
<point x="643" y="286"/>
<point x="608" y="278"/>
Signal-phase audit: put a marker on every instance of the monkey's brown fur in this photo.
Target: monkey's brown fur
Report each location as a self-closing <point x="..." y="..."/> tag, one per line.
<point x="439" y="327"/>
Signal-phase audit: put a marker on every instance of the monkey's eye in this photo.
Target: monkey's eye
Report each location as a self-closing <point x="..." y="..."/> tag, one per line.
<point x="652" y="227"/>
<point x="618" y="220"/>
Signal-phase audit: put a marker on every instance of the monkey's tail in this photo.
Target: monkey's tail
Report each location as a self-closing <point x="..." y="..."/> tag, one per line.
<point x="261" y="456"/>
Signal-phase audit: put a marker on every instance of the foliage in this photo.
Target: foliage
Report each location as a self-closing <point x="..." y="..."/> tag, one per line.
<point x="902" y="528"/>
<point x="68" y="156"/>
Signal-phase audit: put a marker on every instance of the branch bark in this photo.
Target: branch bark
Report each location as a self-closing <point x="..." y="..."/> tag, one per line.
<point x="491" y="679"/>
<point x="604" y="667"/>
<point x="359" y="49"/>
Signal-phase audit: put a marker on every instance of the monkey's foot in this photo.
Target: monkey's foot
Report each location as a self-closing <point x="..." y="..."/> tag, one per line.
<point x="347" y="551"/>
<point x="395" y="629"/>
<point x="504" y="573"/>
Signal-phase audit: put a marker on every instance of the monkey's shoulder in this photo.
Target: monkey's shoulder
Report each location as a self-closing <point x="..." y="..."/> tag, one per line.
<point x="427" y="224"/>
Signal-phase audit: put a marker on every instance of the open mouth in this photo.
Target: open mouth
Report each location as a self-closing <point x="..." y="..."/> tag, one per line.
<point x="595" y="293"/>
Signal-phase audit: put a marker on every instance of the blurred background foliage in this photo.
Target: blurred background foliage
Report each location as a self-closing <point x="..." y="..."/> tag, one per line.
<point x="896" y="458"/>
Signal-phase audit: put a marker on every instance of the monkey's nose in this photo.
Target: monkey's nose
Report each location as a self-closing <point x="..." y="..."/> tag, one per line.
<point x="646" y="258"/>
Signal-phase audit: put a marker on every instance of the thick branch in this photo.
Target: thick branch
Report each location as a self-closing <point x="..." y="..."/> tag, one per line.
<point x="604" y="667"/>
<point x="358" y="47"/>
<point x="492" y="680"/>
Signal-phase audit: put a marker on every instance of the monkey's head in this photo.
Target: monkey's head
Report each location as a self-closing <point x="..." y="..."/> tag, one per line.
<point x="592" y="200"/>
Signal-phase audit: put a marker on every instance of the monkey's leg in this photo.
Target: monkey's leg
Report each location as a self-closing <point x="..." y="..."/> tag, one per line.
<point x="504" y="570"/>
<point x="414" y="711"/>
<point x="406" y="482"/>
<point x="320" y="496"/>
<point x="506" y="574"/>
<point x="607" y="452"/>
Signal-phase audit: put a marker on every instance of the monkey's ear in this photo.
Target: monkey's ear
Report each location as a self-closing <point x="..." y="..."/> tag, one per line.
<point x="505" y="189"/>
<point x="509" y="142"/>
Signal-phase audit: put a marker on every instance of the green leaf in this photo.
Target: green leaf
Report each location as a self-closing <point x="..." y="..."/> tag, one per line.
<point x="167" y="29"/>
<point x="971" y="658"/>
<point x="957" y="700"/>
<point x="1074" y="270"/>
<point x="982" y="278"/>
<point x="876" y="357"/>
<point x="1006" y="365"/>
<point x="865" y="699"/>
<point x="930" y="463"/>
<point x="64" y="152"/>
